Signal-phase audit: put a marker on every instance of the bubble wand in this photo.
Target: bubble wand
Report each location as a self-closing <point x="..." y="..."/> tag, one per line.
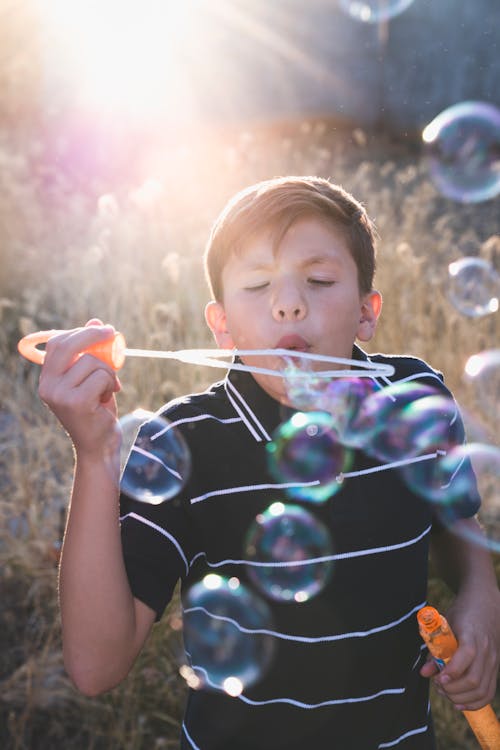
<point x="442" y="644"/>
<point x="113" y="352"/>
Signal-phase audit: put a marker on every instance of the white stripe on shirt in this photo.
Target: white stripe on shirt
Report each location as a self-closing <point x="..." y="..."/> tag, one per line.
<point x="325" y="558"/>
<point x="251" y="414"/>
<point x="304" y="638"/>
<point x="251" y="488"/>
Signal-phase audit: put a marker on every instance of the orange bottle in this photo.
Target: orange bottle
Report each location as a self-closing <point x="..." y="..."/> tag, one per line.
<point x="442" y="644"/>
<point x="111" y="351"/>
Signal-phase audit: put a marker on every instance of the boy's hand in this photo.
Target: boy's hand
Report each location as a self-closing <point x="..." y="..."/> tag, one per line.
<point x="470" y="677"/>
<point x="80" y="389"/>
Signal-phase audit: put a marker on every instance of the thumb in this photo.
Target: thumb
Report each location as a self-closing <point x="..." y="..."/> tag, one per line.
<point x="429" y="669"/>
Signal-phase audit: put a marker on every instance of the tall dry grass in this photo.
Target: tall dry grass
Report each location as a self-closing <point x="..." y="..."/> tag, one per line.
<point x="127" y="248"/>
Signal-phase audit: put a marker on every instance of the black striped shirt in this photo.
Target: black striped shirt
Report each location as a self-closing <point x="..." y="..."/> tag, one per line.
<point x="345" y="667"/>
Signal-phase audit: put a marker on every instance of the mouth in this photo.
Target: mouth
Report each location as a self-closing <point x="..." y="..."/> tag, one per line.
<point x="293" y="343"/>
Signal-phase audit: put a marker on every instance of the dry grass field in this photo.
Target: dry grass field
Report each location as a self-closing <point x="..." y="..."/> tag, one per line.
<point x="126" y="246"/>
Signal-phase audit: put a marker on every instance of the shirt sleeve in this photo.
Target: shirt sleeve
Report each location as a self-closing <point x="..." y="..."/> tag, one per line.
<point x="159" y="542"/>
<point x="157" y="549"/>
<point x="455" y="492"/>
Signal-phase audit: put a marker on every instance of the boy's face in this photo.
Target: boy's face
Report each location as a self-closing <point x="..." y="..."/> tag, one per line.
<point x="305" y="296"/>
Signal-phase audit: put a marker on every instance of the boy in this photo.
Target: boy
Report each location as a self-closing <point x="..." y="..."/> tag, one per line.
<point x="290" y="263"/>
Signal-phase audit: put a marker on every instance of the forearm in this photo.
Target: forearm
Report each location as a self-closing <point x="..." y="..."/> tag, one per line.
<point x="461" y="561"/>
<point x="97" y="607"/>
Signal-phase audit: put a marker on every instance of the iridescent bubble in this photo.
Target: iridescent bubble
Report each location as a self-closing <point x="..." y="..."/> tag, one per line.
<point x="225" y="634"/>
<point x="383" y="425"/>
<point x="159" y="462"/>
<point x="302" y="392"/>
<point x="340" y="397"/>
<point x="306" y="454"/>
<point x="289" y="553"/>
<point x="473" y="287"/>
<point x="483" y="371"/>
<point x="439" y="432"/>
<point x="130" y="425"/>
<point x="374" y="11"/>
<point x="462" y="146"/>
<point x="465" y="470"/>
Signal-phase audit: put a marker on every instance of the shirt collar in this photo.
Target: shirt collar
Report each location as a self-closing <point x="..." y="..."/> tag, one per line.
<point x="260" y="412"/>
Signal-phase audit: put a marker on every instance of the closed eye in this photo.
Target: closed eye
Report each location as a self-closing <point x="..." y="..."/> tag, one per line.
<point x="256" y="287"/>
<point x="321" y="282"/>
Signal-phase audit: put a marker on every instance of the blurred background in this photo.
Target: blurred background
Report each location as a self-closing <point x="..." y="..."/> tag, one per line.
<point x="124" y="128"/>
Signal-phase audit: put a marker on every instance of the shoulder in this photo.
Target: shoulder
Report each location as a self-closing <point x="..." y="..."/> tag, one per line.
<point x="212" y="402"/>
<point x="407" y="367"/>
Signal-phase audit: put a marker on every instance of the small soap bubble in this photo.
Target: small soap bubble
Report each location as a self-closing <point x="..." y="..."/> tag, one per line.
<point x="306" y="453"/>
<point x="223" y="624"/>
<point x="159" y="462"/>
<point x="289" y="553"/>
<point x="374" y="11"/>
<point x="473" y="287"/>
<point x="483" y="371"/>
<point x="462" y="146"/>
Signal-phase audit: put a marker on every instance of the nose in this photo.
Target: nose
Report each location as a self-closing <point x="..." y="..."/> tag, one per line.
<point x="288" y="303"/>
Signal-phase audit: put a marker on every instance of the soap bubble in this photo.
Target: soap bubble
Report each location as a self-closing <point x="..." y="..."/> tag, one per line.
<point x="288" y="552"/>
<point x="340" y="397"/>
<point x="459" y="482"/>
<point x="306" y="450"/>
<point x="223" y="621"/>
<point x="483" y="371"/>
<point x="383" y="425"/>
<point x="473" y="287"/>
<point x="374" y="11"/>
<point x="462" y="146"/>
<point x="130" y="425"/>
<point x="439" y="432"/>
<point x="159" y="462"/>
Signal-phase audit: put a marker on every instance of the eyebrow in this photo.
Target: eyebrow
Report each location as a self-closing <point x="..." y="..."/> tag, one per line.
<point x="321" y="260"/>
<point x="313" y="260"/>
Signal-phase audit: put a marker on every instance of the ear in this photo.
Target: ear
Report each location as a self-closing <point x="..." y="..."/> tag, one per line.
<point x="215" y="317"/>
<point x="371" y="306"/>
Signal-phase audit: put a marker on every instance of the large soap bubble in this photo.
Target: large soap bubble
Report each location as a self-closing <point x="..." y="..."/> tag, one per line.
<point x="374" y="11"/>
<point x="159" y="463"/>
<point x="462" y="145"/>
<point x="226" y="634"/>
<point x="383" y="426"/>
<point x="289" y="553"/>
<point x="306" y="454"/>
<point x="340" y="397"/>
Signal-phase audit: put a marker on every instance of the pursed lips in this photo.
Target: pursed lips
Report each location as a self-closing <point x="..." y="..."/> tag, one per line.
<point x="293" y="342"/>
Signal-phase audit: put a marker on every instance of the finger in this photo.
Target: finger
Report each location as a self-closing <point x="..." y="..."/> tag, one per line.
<point x="94" y="322"/>
<point x="459" y="663"/>
<point x="429" y="669"/>
<point x="470" y="689"/>
<point x="85" y="398"/>
<point x="64" y="349"/>
<point x="84" y="366"/>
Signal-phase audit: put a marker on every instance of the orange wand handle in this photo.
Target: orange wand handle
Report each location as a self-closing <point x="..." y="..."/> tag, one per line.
<point x="442" y="644"/>
<point x="111" y="351"/>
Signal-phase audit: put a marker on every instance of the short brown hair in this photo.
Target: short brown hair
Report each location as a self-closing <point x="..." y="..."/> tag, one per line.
<point x="274" y="205"/>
